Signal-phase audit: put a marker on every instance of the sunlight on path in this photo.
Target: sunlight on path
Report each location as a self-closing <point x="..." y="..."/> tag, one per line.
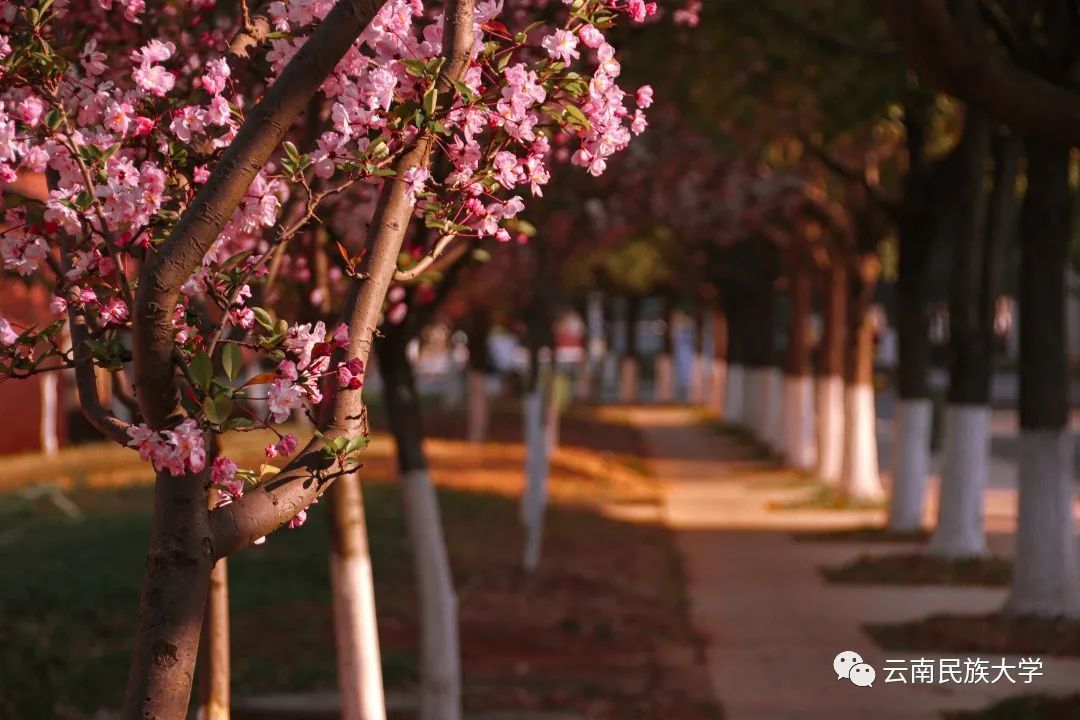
<point x="772" y="625"/>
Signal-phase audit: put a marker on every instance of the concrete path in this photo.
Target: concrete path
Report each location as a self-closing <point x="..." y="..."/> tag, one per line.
<point x="773" y="626"/>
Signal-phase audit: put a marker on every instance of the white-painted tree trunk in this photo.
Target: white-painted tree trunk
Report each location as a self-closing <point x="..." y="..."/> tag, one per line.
<point x="50" y="441"/>
<point x="800" y="442"/>
<point x="440" y="659"/>
<point x="1046" y="577"/>
<point x="609" y="376"/>
<point x="911" y="464"/>
<point x="859" y="480"/>
<point x="754" y="400"/>
<point x="476" y="407"/>
<point x="665" y="379"/>
<point x="357" y="636"/>
<point x="959" y="531"/>
<point x="830" y="404"/>
<point x="696" y="389"/>
<point x="583" y="385"/>
<point x="628" y="380"/>
<point x="734" y="391"/>
<point x="772" y="429"/>
<point x="537" y="466"/>
<point x="716" y="387"/>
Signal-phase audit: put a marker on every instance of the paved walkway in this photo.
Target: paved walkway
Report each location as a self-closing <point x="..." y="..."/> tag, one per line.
<point x="772" y="624"/>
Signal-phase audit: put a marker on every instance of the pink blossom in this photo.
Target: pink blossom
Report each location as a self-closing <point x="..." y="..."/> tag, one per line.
<point x="7" y="335"/>
<point x="154" y="79"/>
<point x="350" y="374"/>
<point x="118" y="117"/>
<point x="287" y="445"/>
<point x="341" y="335"/>
<point x="300" y="518"/>
<point x="415" y="178"/>
<point x="216" y="76"/>
<point x="179" y="452"/>
<point x="282" y="398"/>
<point x="690" y="15"/>
<point x="154" y="51"/>
<point x="114" y="312"/>
<point x="638" y="10"/>
<point x="590" y="36"/>
<point x="58" y="305"/>
<point x="30" y="110"/>
<point x="223" y="474"/>
<point x="644" y="96"/>
<point x="561" y="45"/>
<point x="287" y="370"/>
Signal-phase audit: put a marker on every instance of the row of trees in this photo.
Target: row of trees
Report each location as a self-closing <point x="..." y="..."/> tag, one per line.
<point x="855" y="167"/>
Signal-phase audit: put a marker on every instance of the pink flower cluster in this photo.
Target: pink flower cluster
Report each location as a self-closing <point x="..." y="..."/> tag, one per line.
<point x="308" y="349"/>
<point x="180" y="451"/>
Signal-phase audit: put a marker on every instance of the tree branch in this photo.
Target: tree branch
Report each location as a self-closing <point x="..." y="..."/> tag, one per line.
<point x="849" y="173"/>
<point x="97" y="414"/>
<point x="198" y="228"/>
<point x="939" y="51"/>
<point x="425" y="262"/>
<point x="826" y="38"/>
<point x="262" y="510"/>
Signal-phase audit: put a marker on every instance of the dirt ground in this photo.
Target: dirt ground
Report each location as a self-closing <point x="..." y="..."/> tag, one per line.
<point x="600" y="629"/>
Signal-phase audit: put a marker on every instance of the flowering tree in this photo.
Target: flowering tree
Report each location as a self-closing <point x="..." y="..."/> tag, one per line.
<point x="165" y="175"/>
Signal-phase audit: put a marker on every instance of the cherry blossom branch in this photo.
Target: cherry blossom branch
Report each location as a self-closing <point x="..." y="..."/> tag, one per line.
<point x="260" y="135"/>
<point x="261" y="511"/>
<point x="101" y="418"/>
<point x="425" y="262"/>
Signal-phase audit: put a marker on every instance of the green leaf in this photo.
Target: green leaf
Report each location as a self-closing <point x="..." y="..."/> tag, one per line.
<point x="201" y="369"/>
<point x="232" y="359"/>
<point x="431" y="100"/>
<point x="464" y="91"/>
<point x="357" y="443"/>
<point x="291" y="152"/>
<point x="263" y="318"/>
<point x="223" y="406"/>
<point x="209" y="410"/>
<point x="416" y="68"/>
<point x="575" y="112"/>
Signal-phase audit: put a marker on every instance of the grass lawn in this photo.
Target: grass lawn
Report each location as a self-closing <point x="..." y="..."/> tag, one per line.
<point x="592" y="630"/>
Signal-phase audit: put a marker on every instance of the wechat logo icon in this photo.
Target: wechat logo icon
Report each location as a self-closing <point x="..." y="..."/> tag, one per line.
<point x="849" y="665"/>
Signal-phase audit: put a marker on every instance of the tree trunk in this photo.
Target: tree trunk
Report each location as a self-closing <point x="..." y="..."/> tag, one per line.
<point x="959" y="531"/>
<point x="356" y="635"/>
<point x="175" y="585"/>
<point x="629" y="367"/>
<point x="799" y="447"/>
<point x="665" y="372"/>
<point x="914" y="408"/>
<point x="1045" y="570"/>
<point x="859" y="479"/>
<point x="476" y="399"/>
<point x="214" y="648"/>
<point x="717" y="377"/>
<point x="440" y="654"/>
<point x="830" y="385"/>
<point x="761" y="386"/>
<point x="734" y="400"/>
<point x="537" y="460"/>
<point x="696" y="393"/>
<point x="50" y="442"/>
